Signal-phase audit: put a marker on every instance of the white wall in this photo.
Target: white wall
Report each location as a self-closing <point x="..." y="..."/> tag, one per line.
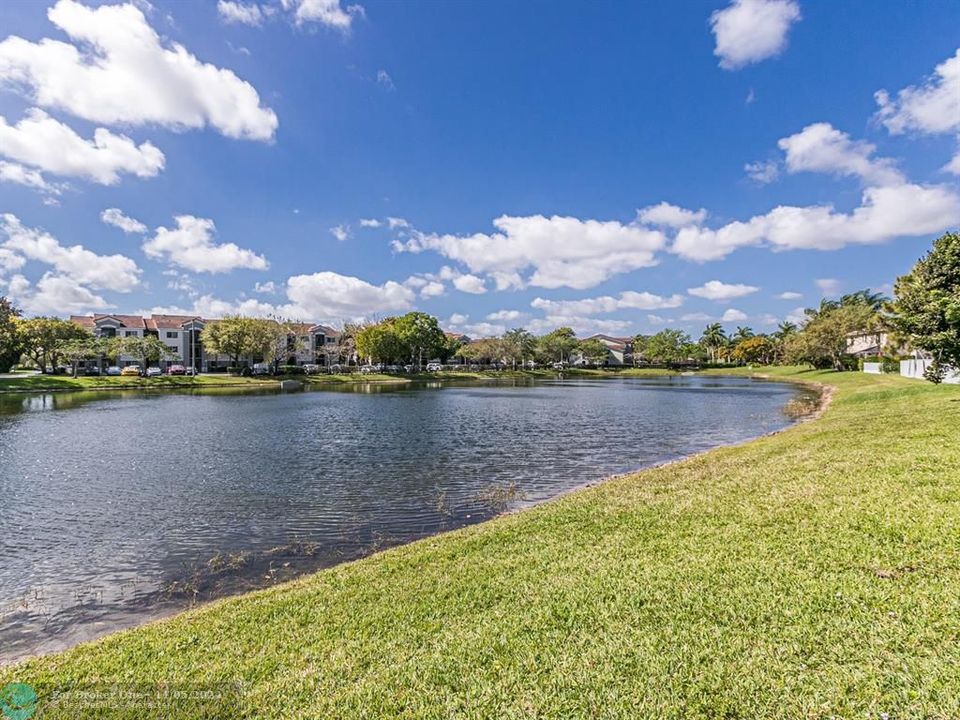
<point x="873" y="368"/>
<point x="915" y="369"/>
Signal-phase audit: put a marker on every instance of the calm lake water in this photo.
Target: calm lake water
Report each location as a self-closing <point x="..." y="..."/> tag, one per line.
<point x="119" y="507"/>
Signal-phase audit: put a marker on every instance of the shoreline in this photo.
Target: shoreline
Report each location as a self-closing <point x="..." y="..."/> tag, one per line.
<point x="825" y="394"/>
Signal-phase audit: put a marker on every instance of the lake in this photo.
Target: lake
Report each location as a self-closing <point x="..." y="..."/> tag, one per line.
<point x="125" y="506"/>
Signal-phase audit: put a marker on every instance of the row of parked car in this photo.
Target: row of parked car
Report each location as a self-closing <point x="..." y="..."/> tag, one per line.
<point x="137" y="371"/>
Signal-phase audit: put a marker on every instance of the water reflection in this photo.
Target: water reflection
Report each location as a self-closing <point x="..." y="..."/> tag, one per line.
<point x="133" y="504"/>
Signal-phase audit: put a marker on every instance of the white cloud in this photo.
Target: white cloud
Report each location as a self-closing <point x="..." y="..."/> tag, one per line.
<point x="469" y="284"/>
<point x="797" y="316"/>
<point x="54" y="295"/>
<point x="119" y="72"/>
<point x="628" y="300"/>
<point x="884" y="213"/>
<point x="266" y="288"/>
<point x="383" y="78"/>
<point x="432" y="289"/>
<point x="370" y="223"/>
<point x="506" y="315"/>
<point x="190" y="245"/>
<point x="829" y="286"/>
<point x="76" y="263"/>
<point x="954" y="165"/>
<point x="658" y="320"/>
<point x="789" y="295"/>
<point x="457" y="319"/>
<point x="325" y="12"/>
<point x="240" y="12"/>
<point x="562" y="251"/>
<point x="16" y="173"/>
<point x="395" y="223"/>
<point x="748" y="31"/>
<point x="340" y="232"/>
<point x="54" y="147"/>
<point x="696" y="317"/>
<point x="822" y="148"/>
<point x="932" y="108"/>
<point x="667" y="215"/>
<point x="763" y="172"/>
<point x="733" y="315"/>
<point x="719" y="291"/>
<point x="582" y="326"/>
<point x="116" y="217"/>
<point x="328" y="295"/>
<point x="9" y="260"/>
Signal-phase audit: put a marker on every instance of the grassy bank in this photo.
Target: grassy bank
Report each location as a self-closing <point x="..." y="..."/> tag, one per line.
<point x="811" y="573"/>
<point x="45" y="383"/>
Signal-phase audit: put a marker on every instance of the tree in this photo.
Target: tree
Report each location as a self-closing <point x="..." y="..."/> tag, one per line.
<point x="42" y="338"/>
<point x="927" y="305"/>
<point x="823" y="341"/>
<point x="713" y="339"/>
<point x="757" y="349"/>
<point x="11" y="344"/>
<point x="519" y="344"/>
<point x="77" y="350"/>
<point x="742" y="333"/>
<point x="421" y="335"/>
<point x="640" y="349"/>
<point x="593" y="351"/>
<point x="557" y="345"/>
<point x="144" y="350"/>
<point x="667" y="346"/>
<point x="380" y="342"/>
<point x="231" y="336"/>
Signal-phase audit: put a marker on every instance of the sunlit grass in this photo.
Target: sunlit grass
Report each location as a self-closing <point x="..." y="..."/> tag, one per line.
<point x="810" y="573"/>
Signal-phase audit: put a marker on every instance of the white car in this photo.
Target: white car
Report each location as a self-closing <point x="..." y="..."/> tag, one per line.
<point x="154" y="372"/>
<point x="113" y="370"/>
<point x="434" y="367"/>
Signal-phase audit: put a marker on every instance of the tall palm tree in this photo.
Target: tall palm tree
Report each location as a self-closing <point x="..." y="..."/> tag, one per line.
<point x="713" y="339"/>
<point x="742" y="333"/>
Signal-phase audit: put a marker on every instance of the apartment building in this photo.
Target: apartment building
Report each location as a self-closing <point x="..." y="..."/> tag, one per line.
<point x="309" y="343"/>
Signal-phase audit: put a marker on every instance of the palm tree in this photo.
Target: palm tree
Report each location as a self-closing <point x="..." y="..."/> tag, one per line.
<point x="785" y="330"/>
<point x="713" y="339"/>
<point x="742" y="333"/>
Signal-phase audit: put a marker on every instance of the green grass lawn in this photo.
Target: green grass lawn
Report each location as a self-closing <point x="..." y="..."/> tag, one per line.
<point x="810" y="573"/>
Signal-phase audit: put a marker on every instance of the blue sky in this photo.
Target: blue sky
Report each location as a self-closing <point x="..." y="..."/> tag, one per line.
<point x="652" y="165"/>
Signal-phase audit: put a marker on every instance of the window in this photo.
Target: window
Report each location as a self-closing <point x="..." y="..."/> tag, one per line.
<point x="130" y="333"/>
<point x="172" y="334"/>
<point x="172" y="348"/>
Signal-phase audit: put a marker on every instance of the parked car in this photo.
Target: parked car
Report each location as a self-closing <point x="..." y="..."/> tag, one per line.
<point x="154" y="372"/>
<point x="335" y="369"/>
<point x="408" y="368"/>
<point x="367" y="369"/>
<point x="113" y="370"/>
<point x="262" y="369"/>
<point x="176" y="370"/>
<point x="434" y="367"/>
<point x="92" y="370"/>
<point x="559" y="366"/>
<point x="311" y="369"/>
<point x="131" y="370"/>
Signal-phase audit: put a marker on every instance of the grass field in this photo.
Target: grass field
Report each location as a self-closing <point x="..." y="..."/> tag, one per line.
<point x="810" y="573"/>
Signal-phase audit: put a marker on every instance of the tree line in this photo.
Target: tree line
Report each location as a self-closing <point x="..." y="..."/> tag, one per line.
<point x="924" y="314"/>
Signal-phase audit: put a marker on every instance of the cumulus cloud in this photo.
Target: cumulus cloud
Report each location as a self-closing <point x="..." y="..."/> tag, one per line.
<point x="432" y="289"/>
<point x="884" y="213"/>
<point x="75" y="263"/>
<point x="20" y="175"/>
<point x="932" y="107"/>
<point x="506" y="315"/>
<point x="330" y="295"/>
<point x="240" y="12"/>
<point x="582" y="326"/>
<point x="370" y="223"/>
<point x="54" y="295"/>
<point x="822" y="148"/>
<point x="116" y="217"/>
<point x="733" y="315"/>
<point x="116" y="70"/>
<point x="763" y="172"/>
<point x="51" y="146"/>
<point x="266" y="288"/>
<point x="789" y="295"/>
<point x="560" y="251"/>
<point x="829" y="286"/>
<point x="748" y="31"/>
<point x="340" y="232"/>
<point x="470" y="284"/>
<point x="667" y="215"/>
<point x="628" y="300"/>
<point x="325" y="12"/>
<point x="190" y="245"/>
<point x="719" y="291"/>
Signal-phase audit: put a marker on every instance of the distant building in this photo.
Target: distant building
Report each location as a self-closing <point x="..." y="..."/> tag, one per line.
<point x="865" y="343"/>
<point x="181" y="335"/>
<point x="619" y="349"/>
